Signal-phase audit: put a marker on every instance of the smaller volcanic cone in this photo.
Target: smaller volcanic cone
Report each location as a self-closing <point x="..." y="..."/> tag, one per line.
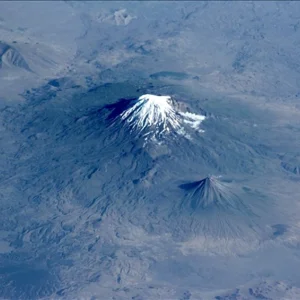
<point x="216" y="209"/>
<point x="211" y="193"/>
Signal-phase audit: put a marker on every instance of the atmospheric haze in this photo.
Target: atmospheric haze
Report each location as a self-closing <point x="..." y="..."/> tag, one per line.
<point x="149" y="150"/>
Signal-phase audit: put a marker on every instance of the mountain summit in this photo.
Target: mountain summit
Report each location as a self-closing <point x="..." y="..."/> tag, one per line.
<point x="152" y="114"/>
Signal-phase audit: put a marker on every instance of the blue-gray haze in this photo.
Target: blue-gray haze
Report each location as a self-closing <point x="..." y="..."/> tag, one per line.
<point x="89" y="210"/>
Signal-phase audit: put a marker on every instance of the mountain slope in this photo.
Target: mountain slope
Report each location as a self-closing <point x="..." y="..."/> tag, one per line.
<point x="10" y="57"/>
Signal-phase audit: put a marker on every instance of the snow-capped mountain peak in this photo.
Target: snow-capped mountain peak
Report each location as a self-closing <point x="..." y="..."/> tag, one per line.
<point x="153" y="113"/>
<point x="155" y="116"/>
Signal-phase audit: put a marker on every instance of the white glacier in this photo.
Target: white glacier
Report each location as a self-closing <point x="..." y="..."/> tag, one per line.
<point x="152" y="114"/>
<point x="151" y="110"/>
